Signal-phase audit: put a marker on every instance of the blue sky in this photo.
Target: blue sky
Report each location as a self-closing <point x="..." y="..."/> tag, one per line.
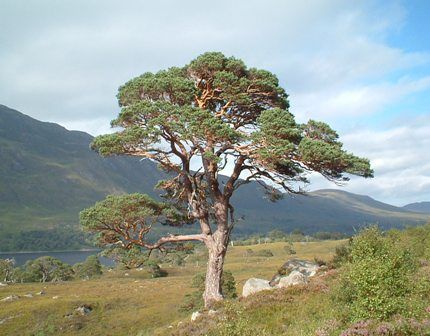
<point x="362" y="66"/>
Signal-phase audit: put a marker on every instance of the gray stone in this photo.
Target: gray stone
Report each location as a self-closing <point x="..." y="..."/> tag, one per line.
<point x="307" y="268"/>
<point x="6" y="319"/>
<point x="83" y="310"/>
<point x="294" y="278"/>
<point x="255" y="285"/>
<point x="195" y="315"/>
<point x="10" y="298"/>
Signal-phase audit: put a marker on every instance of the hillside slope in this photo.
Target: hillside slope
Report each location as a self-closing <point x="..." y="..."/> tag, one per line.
<point x="48" y="174"/>
<point x="423" y="207"/>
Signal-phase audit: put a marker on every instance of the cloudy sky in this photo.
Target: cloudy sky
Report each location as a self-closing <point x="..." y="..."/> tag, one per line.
<point x="362" y="66"/>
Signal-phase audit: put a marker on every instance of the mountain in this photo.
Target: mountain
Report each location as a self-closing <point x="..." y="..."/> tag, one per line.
<point x="423" y="207"/>
<point x="48" y="174"/>
<point x="322" y="210"/>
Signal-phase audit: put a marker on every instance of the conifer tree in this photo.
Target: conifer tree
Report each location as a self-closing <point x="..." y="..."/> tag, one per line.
<point x="212" y="116"/>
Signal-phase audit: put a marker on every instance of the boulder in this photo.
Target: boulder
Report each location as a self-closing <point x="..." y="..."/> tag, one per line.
<point x="307" y="268"/>
<point x="294" y="278"/>
<point x="83" y="310"/>
<point x="255" y="285"/>
<point x="195" y="315"/>
<point x="10" y="298"/>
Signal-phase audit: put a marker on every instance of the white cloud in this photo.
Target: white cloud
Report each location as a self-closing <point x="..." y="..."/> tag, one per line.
<point x="63" y="61"/>
<point x="357" y="100"/>
<point x="400" y="157"/>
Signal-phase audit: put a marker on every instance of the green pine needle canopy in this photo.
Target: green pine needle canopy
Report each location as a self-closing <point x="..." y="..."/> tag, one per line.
<point x="214" y="113"/>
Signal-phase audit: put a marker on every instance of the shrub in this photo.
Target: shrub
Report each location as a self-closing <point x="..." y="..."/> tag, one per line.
<point x="341" y="254"/>
<point x="154" y="269"/>
<point x="126" y="258"/>
<point x="194" y="301"/>
<point x="377" y="277"/>
<point x="90" y="268"/>
<point x="264" y="253"/>
<point x="289" y="249"/>
<point x="176" y="258"/>
<point x="320" y="262"/>
<point x="45" y="269"/>
<point x="6" y="269"/>
<point x="418" y="237"/>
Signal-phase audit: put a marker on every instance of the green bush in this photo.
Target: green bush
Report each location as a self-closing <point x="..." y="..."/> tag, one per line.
<point x="194" y="301"/>
<point x="44" y="269"/>
<point x="6" y="269"/>
<point x="289" y="249"/>
<point x="126" y="258"/>
<point x="416" y="237"/>
<point x="264" y="253"/>
<point x="341" y="255"/>
<point x="377" y="280"/>
<point x="90" y="268"/>
<point x="154" y="269"/>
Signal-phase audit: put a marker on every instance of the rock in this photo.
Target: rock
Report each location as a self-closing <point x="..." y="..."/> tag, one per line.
<point x="126" y="274"/>
<point x="212" y="312"/>
<point x="84" y="310"/>
<point x="195" y="315"/>
<point x="55" y="297"/>
<point x="29" y="295"/>
<point x="294" y="278"/>
<point x="2" y="284"/>
<point x="41" y="293"/>
<point x="307" y="268"/>
<point x="10" y="298"/>
<point x="6" y="319"/>
<point x="254" y="285"/>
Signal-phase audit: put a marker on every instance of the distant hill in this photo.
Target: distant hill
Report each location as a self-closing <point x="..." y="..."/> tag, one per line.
<point x="48" y="174"/>
<point x="423" y="207"/>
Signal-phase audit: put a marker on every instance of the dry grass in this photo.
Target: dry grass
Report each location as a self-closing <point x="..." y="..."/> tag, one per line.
<point x="130" y="305"/>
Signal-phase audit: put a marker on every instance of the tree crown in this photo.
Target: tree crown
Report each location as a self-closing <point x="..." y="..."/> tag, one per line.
<point x="208" y="115"/>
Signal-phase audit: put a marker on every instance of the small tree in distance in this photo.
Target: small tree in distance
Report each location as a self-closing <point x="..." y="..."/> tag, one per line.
<point x="90" y="268"/>
<point x="194" y="122"/>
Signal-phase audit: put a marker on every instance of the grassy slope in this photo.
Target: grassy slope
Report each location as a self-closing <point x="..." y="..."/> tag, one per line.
<point x="131" y="305"/>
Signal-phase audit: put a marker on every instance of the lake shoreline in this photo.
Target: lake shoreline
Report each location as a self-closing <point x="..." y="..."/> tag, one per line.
<point x="50" y="251"/>
<point x="70" y="257"/>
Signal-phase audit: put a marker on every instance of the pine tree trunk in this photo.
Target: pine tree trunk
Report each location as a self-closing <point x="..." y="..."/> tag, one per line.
<point x="217" y="248"/>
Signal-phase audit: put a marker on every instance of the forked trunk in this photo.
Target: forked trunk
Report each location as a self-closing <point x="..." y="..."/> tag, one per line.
<point x="217" y="249"/>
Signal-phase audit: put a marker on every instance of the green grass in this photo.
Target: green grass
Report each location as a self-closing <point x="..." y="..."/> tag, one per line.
<point x="134" y="304"/>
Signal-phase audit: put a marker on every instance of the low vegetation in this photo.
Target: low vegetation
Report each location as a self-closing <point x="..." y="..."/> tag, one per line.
<point x="49" y="269"/>
<point x="130" y="301"/>
<point x="377" y="283"/>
